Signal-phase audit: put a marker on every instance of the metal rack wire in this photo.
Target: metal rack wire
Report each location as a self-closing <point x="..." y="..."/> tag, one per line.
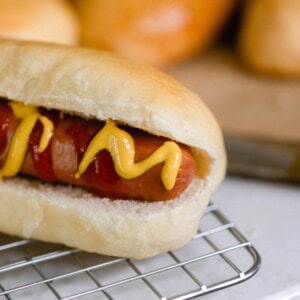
<point x="218" y="256"/>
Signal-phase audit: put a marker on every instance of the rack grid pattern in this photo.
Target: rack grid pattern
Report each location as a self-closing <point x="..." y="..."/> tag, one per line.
<point x="218" y="256"/>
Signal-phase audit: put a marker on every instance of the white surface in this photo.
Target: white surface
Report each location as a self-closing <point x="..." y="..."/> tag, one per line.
<point x="268" y="214"/>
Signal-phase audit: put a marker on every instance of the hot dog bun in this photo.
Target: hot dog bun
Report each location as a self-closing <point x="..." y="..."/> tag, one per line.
<point x="47" y="20"/>
<point x="159" y="32"/>
<point x="99" y="85"/>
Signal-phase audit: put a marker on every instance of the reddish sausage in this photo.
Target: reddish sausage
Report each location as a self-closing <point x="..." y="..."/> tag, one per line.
<point x="59" y="162"/>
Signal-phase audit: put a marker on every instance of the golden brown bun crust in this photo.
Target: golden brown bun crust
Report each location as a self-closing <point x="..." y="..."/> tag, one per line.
<point x="100" y="85"/>
<point x="46" y="20"/>
<point x="159" y="32"/>
<point x="269" y="38"/>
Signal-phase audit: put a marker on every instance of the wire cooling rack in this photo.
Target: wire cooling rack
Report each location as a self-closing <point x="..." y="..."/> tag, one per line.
<point x="218" y="256"/>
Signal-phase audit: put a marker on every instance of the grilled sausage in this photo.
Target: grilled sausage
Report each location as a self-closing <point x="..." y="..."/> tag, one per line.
<point x="71" y="137"/>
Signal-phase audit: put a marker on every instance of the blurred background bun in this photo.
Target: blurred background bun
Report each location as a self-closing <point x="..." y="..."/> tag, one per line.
<point x="270" y="36"/>
<point x="42" y="20"/>
<point x="159" y="32"/>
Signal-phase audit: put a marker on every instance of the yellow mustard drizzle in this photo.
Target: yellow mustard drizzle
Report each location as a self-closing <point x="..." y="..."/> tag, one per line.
<point x="121" y="147"/>
<point x="118" y="142"/>
<point x="18" y="147"/>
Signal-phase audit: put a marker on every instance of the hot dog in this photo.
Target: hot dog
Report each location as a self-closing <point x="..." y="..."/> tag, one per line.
<point x="70" y="139"/>
<point x="90" y="145"/>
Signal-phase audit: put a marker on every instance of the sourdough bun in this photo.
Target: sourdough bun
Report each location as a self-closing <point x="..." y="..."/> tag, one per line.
<point x="100" y="85"/>
<point x="46" y="20"/>
<point x="269" y="38"/>
<point x="159" y="32"/>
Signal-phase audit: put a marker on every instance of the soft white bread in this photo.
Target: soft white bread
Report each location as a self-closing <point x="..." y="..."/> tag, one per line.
<point x="46" y="20"/>
<point x="119" y="228"/>
<point x="99" y="85"/>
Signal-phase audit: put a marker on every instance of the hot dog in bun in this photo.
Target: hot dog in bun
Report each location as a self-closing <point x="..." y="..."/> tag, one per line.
<point x="102" y="153"/>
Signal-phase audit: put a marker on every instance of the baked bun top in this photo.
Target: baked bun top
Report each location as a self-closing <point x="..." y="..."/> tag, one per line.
<point x="46" y="20"/>
<point x="100" y="85"/>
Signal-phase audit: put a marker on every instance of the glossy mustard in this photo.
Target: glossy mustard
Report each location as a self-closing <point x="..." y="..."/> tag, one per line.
<point x="19" y="144"/>
<point x="116" y="141"/>
<point x="120" y="145"/>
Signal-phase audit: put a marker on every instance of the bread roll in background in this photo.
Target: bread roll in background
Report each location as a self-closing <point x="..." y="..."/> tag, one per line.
<point x="159" y="32"/>
<point x="270" y="36"/>
<point x="40" y="20"/>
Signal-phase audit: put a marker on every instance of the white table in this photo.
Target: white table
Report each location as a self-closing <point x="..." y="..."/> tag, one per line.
<point x="269" y="216"/>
